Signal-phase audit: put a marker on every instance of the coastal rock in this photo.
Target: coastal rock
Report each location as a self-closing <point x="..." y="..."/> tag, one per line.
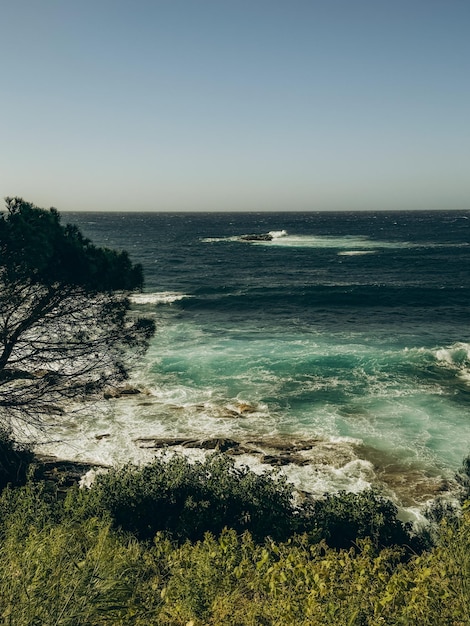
<point x="279" y="460"/>
<point x="261" y="237"/>
<point x="119" y="392"/>
<point x="102" y="436"/>
<point x="284" y="445"/>
<point x="244" y="407"/>
<point x="414" y="485"/>
<point x="241" y="409"/>
<point x="62" y="472"/>
<point x="218" y="443"/>
<point x="274" y="452"/>
<point x="165" y="442"/>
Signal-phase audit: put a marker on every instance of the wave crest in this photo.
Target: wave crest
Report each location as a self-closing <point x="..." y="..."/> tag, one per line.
<point x="457" y="355"/>
<point x="277" y="234"/>
<point x="160" y="297"/>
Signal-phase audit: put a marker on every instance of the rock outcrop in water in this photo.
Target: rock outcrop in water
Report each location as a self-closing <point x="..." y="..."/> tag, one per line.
<point x="272" y="452"/>
<point x="319" y="455"/>
<point x="261" y="237"/>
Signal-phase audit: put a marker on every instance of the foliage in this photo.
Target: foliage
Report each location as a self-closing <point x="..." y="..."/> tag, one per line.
<point x="36" y="247"/>
<point x="15" y="460"/>
<point x="343" y="518"/>
<point x="68" y="575"/>
<point x="65" y="329"/>
<point x="31" y="506"/>
<point x="463" y="477"/>
<point x="189" y="499"/>
<point x="56" y="569"/>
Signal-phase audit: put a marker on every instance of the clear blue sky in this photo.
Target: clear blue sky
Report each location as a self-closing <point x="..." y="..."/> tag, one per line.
<point x="236" y="104"/>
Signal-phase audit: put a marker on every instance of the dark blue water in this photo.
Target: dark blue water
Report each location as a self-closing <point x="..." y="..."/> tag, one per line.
<point x="349" y="328"/>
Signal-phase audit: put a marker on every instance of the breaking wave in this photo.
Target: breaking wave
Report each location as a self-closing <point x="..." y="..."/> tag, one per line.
<point x="277" y="234"/>
<point x="164" y="297"/>
<point x="457" y="359"/>
<point x="457" y="355"/>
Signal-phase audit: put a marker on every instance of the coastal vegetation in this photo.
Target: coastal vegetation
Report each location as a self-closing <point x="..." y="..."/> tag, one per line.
<point x="176" y="542"/>
<point x="185" y="544"/>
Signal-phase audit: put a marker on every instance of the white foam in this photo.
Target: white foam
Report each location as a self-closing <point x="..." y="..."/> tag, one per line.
<point x="217" y="399"/>
<point x="464" y="377"/>
<point x="455" y="358"/>
<point x="277" y="234"/>
<point x="89" y="477"/>
<point x="161" y="297"/>
<point x="318" y="479"/>
<point x="350" y="244"/>
<point x="122" y="430"/>
<point x="457" y="355"/>
<point x="355" y="252"/>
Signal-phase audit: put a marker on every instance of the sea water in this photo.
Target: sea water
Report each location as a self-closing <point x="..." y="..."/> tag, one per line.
<point x="346" y="332"/>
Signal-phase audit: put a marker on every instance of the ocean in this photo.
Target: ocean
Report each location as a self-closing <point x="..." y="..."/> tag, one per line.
<point x="338" y="350"/>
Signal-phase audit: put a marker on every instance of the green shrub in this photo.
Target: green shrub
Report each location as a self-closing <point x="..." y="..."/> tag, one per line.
<point x="30" y="506"/>
<point x="190" y="499"/>
<point x="75" y="570"/>
<point x="15" y="460"/>
<point x="70" y="575"/>
<point x="463" y="478"/>
<point x="343" y="518"/>
<point x="434" y="588"/>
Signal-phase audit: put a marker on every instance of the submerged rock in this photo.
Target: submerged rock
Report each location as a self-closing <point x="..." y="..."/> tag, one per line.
<point x="240" y="409"/>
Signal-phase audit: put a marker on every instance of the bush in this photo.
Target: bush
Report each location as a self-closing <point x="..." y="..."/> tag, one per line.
<point x="72" y="575"/>
<point x="81" y="573"/>
<point x="463" y="478"/>
<point x="72" y="570"/>
<point x="190" y="499"/>
<point x="344" y="518"/>
<point x="15" y="460"/>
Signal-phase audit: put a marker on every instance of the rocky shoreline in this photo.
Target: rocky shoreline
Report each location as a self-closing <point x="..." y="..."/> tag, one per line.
<point x="315" y="455"/>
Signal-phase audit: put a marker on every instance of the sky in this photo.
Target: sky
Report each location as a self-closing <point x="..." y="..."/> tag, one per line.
<point x="235" y="105"/>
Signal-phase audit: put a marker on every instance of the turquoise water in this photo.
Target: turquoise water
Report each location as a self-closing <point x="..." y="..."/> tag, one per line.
<point x="347" y="330"/>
